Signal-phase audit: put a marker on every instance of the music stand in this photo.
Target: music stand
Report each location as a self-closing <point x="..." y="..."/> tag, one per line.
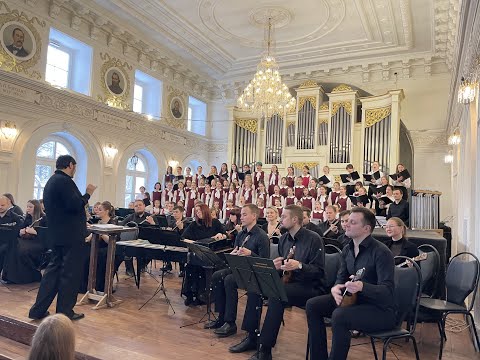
<point x="258" y="276"/>
<point x="209" y="261"/>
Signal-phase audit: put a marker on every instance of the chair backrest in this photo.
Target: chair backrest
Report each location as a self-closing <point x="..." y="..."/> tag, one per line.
<point x="462" y="278"/>
<point x="129" y="235"/>
<point x="332" y="265"/>
<point x="408" y="281"/>
<point x="430" y="268"/>
<point x="332" y="249"/>
<point x="273" y="251"/>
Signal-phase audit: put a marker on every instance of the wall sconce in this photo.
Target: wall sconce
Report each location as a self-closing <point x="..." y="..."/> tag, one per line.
<point x="9" y="130"/>
<point x="466" y="91"/>
<point x="449" y="158"/>
<point x="455" y="138"/>
<point x="110" y="152"/>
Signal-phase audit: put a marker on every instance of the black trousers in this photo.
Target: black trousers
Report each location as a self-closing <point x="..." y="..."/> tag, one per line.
<point x="297" y="293"/>
<point x="62" y="279"/>
<point x="225" y="294"/>
<point x="361" y="317"/>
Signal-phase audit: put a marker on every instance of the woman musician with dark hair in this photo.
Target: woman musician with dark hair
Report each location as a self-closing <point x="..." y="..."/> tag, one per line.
<point x="24" y="258"/>
<point x="203" y="227"/>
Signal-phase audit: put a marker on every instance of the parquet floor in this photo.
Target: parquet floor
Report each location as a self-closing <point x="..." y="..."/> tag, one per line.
<point x="124" y="332"/>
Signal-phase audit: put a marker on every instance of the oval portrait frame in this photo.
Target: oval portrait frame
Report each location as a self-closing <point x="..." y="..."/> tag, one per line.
<point x="182" y="107"/>
<point x="29" y="30"/>
<point x="123" y="80"/>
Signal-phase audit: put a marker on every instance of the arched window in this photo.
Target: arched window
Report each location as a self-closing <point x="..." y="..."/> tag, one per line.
<point x="136" y="177"/>
<point x="47" y="153"/>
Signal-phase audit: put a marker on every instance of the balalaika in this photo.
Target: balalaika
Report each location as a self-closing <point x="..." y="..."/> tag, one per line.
<point x="349" y="299"/>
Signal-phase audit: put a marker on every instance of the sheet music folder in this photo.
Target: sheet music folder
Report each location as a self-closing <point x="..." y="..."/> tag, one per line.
<point x="206" y="257"/>
<point x="257" y="275"/>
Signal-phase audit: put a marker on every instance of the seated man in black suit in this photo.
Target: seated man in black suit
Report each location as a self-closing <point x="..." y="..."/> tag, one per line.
<point x="331" y="228"/>
<point x="399" y="208"/>
<point x="9" y="221"/>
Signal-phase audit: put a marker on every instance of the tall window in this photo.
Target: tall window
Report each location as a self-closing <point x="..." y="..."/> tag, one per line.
<point x="58" y="65"/>
<point x="47" y="154"/>
<point x="69" y="62"/>
<point x="138" y="98"/>
<point x="136" y="177"/>
<point x="197" y="116"/>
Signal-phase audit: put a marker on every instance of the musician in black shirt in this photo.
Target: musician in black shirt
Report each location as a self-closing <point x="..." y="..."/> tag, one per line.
<point x="307" y="224"/>
<point x="250" y="241"/>
<point x="375" y="307"/>
<point x="331" y="228"/>
<point x="399" y="208"/>
<point x="140" y="216"/>
<point x="306" y="274"/>
<point x="9" y="221"/>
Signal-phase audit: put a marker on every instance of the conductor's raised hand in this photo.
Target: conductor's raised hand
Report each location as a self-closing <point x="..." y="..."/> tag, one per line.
<point x="91" y="189"/>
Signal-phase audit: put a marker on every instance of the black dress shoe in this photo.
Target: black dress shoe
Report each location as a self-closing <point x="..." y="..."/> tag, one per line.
<point x="245" y="345"/>
<point x="188" y="301"/>
<point x="214" y="324"/>
<point x="226" y="330"/>
<point x="38" y="317"/>
<point x="76" y="316"/>
<point x="198" y="302"/>
<point x="263" y="354"/>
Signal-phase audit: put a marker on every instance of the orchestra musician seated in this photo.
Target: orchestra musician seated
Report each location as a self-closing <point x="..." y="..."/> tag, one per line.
<point x="9" y="221"/>
<point x="176" y="223"/>
<point x="12" y="206"/>
<point x="250" y="241"/>
<point x="331" y="228"/>
<point x="374" y="309"/>
<point x="307" y="224"/>
<point x="140" y="216"/>
<point x="399" y="208"/>
<point x="233" y="225"/>
<point x="398" y="243"/>
<point x="204" y="226"/>
<point x="23" y="260"/>
<point x="273" y="226"/>
<point x="343" y="239"/>
<point x="301" y="261"/>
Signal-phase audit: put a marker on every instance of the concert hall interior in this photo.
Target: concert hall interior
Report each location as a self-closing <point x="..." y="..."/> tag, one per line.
<point x="236" y="164"/>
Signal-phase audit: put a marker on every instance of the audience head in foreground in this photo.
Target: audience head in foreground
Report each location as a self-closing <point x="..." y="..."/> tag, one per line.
<point x="54" y="339"/>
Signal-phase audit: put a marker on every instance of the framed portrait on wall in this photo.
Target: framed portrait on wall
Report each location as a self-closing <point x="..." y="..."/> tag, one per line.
<point x="177" y="108"/>
<point x="18" y="40"/>
<point x="115" y="81"/>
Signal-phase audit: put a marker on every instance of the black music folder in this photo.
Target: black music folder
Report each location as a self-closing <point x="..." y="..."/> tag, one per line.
<point x="158" y="236"/>
<point x="404" y="174"/>
<point x="324" y="180"/>
<point x="359" y="199"/>
<point x="354" y="176"/>
<point x="370" y="177"/>
<point x="206" y="257"/>
<point x="385" y="199"/>
<point x="241" y="176"/>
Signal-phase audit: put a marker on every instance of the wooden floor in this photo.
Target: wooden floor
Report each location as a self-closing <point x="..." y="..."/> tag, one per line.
<point x="154" y="332"/>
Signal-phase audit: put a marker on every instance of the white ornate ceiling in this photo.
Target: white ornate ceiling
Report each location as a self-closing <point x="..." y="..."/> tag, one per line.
<point x="223" y="38"/>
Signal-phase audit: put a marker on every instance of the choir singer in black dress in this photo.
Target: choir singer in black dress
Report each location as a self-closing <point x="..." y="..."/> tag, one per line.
<point x="25" y="257"/>
<point x="203" y="227"/>
<point x="375" y="306"/>
<point x="65" y="207"/>
<point x="302" y="255"/>
<point x="250" y="241"/>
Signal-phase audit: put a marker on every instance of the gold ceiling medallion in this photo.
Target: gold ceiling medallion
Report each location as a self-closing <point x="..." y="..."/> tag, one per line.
<point x="324" y="107"/>
<point x="347" y="105"/>
<point x="308" y="84"/>
<point x="115" y="82"/>
<point x="176" y="112"/>
<point x="372" y="116"/>
<point x="247" y="124"/>
<point x="311" y="99"/>
<point x="341" y="88"/>
<point x="300" y="165"/>
<point x="21" y="44"/>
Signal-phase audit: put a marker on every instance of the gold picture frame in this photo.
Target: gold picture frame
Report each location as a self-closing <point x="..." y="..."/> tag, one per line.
<point x="113" y="93"/>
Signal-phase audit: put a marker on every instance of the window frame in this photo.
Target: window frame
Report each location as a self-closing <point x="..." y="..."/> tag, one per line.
<point x="135" y="174"/>
<point x="67" y="50"/>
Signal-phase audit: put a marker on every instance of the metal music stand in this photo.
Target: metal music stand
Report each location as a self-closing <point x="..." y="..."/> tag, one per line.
<point x="209" y="261"/>
<point x="258" y="276"/>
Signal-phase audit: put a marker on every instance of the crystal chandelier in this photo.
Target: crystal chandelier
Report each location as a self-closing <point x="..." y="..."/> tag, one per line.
<point x="266" y="95"/>
<point x="466" y="91"/>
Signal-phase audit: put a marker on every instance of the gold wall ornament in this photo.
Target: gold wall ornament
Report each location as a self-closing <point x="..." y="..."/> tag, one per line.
<point x="300" y="165"/>
<point x="341" y="88"/>
<point x="347" y="105"/>
<point x="303" y="99"/>
<point x="113" y="94"/>
<point x="324" y="107"/>
<point x="290" y="123"/>
<point x="31" y="49"/>
<point x="321" y="121"/>
<point x="308" y="84"/>
<point x="372" y="116"/>
<point x="179" y="120"/>
<point x="247" y="124"/>
<point x="338" y="179"/>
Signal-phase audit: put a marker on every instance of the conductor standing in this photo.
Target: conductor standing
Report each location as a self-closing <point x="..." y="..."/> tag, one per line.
<point x="67" y="229"/>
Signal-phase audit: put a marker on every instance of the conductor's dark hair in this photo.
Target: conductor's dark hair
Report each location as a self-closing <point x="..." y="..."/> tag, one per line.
<point x="368" y="217"/>
<point x="64" y="161"/>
